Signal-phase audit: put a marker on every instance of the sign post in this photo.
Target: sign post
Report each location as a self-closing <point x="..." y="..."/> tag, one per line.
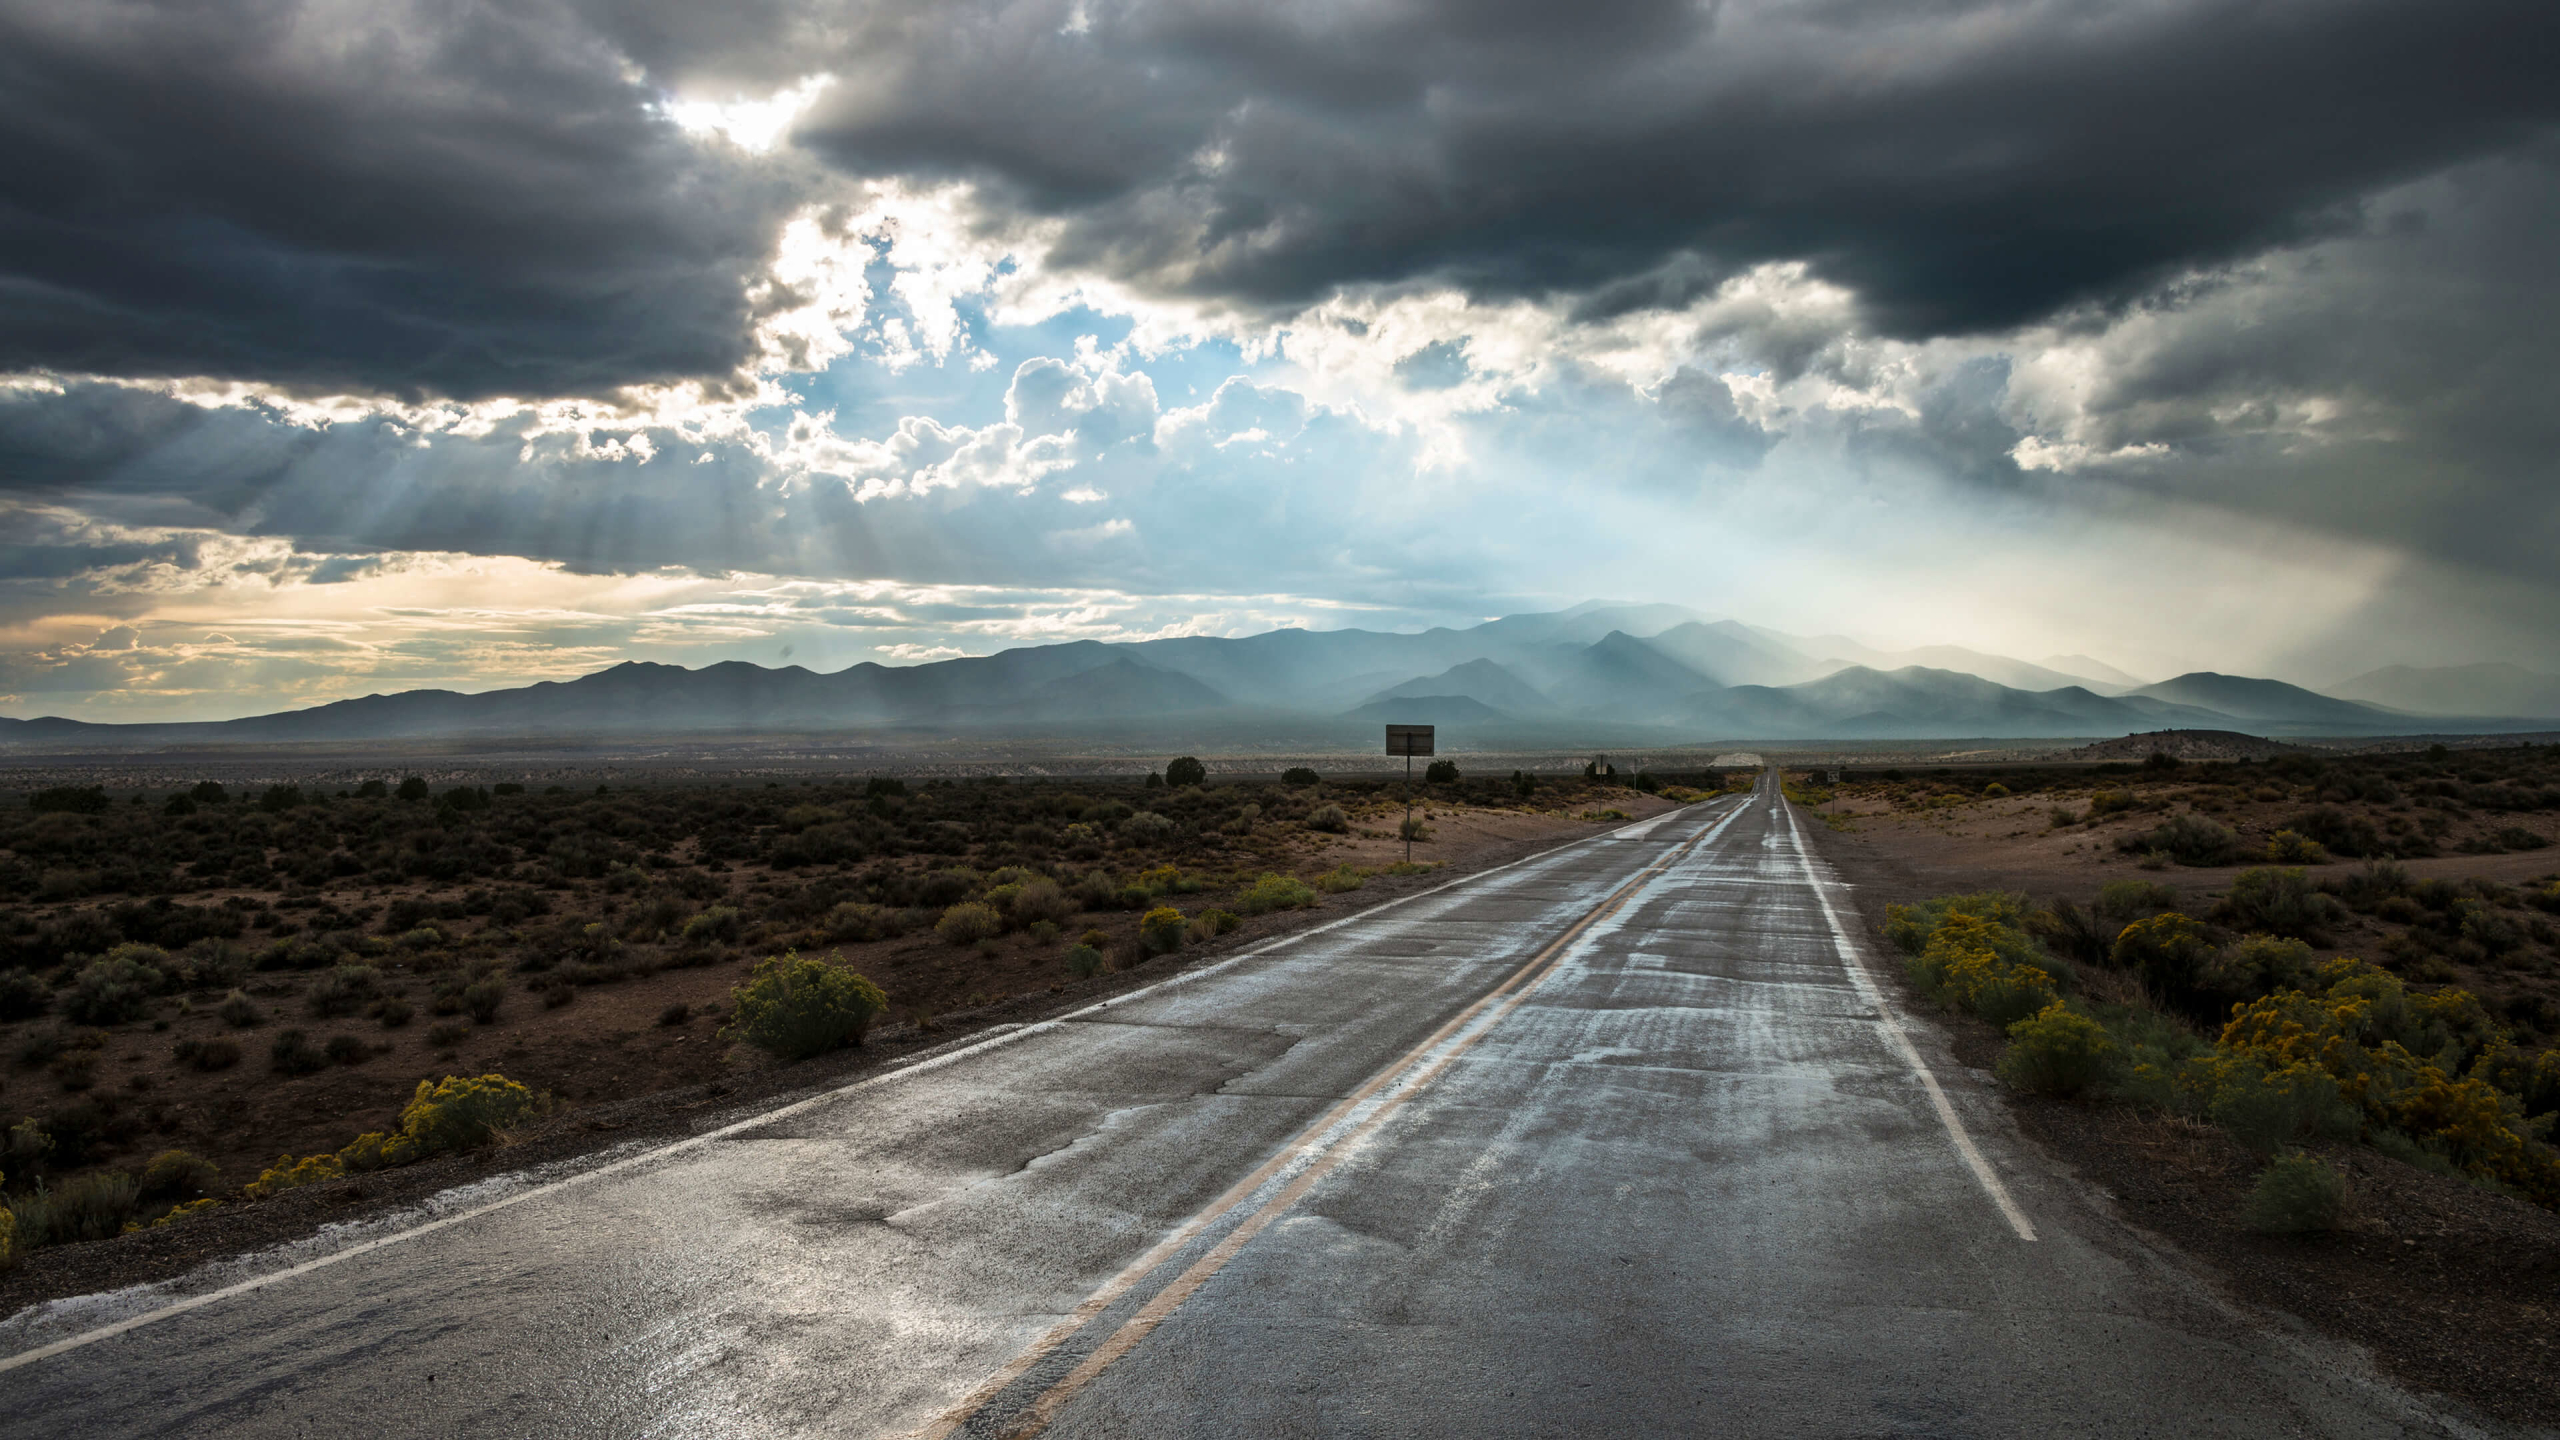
<point x="1408" y="741"/>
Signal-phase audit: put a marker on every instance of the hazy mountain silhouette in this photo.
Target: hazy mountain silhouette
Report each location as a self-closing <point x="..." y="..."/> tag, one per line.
<point x="2265" y="701"/>
<point x="1650" y="673"/>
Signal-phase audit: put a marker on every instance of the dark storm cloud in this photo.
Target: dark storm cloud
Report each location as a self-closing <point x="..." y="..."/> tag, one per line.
<point x="440" y="197"/>
<point x="444" y="198"/>
<point x="1963" y="166"/>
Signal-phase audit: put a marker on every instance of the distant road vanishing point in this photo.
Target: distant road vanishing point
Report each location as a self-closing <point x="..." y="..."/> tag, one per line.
<point x="1627" y="1138"/>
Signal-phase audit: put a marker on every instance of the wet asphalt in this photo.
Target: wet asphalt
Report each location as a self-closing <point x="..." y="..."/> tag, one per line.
<point x="1620" y="1140"/>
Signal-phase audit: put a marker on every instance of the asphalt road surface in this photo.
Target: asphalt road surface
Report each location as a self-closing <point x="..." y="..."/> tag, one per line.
<point x="1619" y="1140"/>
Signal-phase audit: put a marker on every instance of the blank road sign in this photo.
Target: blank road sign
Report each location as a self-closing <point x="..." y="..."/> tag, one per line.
<point x="1409" y="739"/>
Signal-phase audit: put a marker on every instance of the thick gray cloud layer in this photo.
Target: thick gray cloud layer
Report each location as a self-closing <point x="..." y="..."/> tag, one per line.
<point x="442" y="197"/>
<point x="412" y="198"/>
<point x="1962" y="165"/>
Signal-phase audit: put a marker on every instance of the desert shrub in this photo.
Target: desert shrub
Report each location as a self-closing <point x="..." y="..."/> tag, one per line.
<point x="392" y="1011"/>
<point x="1160" y="930"/>
<point x="1299" y="776"/>
<point x="1910" y="927"/>
<point x="2266" y="1109"/>
<point x="2287" y="847"/>
<point x="1039" y="901"/>
<point x="176" y="1175"/>
<point x="1275" y="892"/>
<point x="2103" y="803"/>
<point x="948" y="886"/>
<point x="114" y="988"/>
<point x="1412" y="826"/>
<point x="239" y="1011"/>
<point x="2279" y="902"/>
<point x="346" y="1050"/>
<point x="215" y="1053"/>
<point x="22" y="996"/>
<point x="2072" y="932"/>
<point x="676" y="1014"/>
<point x="461" y="1112"/>
<point x="2121" y="902"/>
<point x="968" y="922"/>
<point x="1440" y="772"/>
<point x="481" y="999"/>
<point x="1985" y="967"/>
<point x="70" y="800"/>
<point x="2378" y="881"/>
<point x="447" y="1034"/>
<point x="1083" y="961"/>
<point x="37" y="1048"/>
<point x="794" y="1006"/>
<point x="718" y="925"/>
<point x="2513" y="837"/>
<point x="343" y="991"/>
<point x="2170" y="953"/>
<point x="1328" y="818"/>
<point x="292" y="1053"/>
<point x="2339" y="832"/>
<point x="2188" y="840"/>
<point x="2062" y="817"/>
<point x="2056" y="1052"/>
<point x="1341" y="878"/>
<point x="855" y="921"/>
<point x="1185" y="771"/>
<point x="1146" y="828"/>
<point x="2395" y="1057"/>
<point x="87" y="1207"/>
<point x="289" y="1173"/>
<point x="2258" y="965"/>
<point x="2296" y="1194"/>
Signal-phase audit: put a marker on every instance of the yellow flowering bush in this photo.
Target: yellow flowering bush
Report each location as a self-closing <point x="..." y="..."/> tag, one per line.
<point x="455" y="1113"/>
<point x="186" y="1210"/>
<point x="1160" y="930"/>
<point x="289" y="1173"/>
<point x="2057" y="1052"/>
<point x="2397" y="1058"/>
<point x="1972" y="953"/>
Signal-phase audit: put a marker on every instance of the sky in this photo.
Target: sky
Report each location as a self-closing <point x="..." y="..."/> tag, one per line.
<point x="360" y="347"/>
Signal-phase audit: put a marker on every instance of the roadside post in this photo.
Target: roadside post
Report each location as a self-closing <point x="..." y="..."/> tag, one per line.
<point x="1408" y="741"/>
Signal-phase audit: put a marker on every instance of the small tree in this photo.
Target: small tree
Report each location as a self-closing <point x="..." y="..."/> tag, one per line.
<point x="1441" y="772"/>
<point x="1523" y="784"/>
<point x="412" y="789"/>
<point x="1185" y="771"/>
<point x="1300" y="776"/>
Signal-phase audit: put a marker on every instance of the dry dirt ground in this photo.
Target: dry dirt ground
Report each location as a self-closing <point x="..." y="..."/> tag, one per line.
<point x="642" y="1056"/>
<point x="2455" y="1290"/>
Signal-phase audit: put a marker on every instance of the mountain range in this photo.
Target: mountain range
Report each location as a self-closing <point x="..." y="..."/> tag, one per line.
<point x="1597" y="673"/>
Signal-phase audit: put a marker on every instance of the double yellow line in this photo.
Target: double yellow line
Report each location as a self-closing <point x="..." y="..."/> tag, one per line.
<point x="1492" y="1007"/>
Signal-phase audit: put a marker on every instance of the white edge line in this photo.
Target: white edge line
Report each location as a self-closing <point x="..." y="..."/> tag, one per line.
<point x="1892" y="1026"/>
<point x="900" y="1071"/>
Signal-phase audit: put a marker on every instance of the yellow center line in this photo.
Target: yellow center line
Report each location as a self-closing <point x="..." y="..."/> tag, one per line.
<point x="1516" y="988"/>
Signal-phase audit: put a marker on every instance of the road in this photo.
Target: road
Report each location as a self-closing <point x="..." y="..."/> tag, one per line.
<point x="1623" y="1139"/>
